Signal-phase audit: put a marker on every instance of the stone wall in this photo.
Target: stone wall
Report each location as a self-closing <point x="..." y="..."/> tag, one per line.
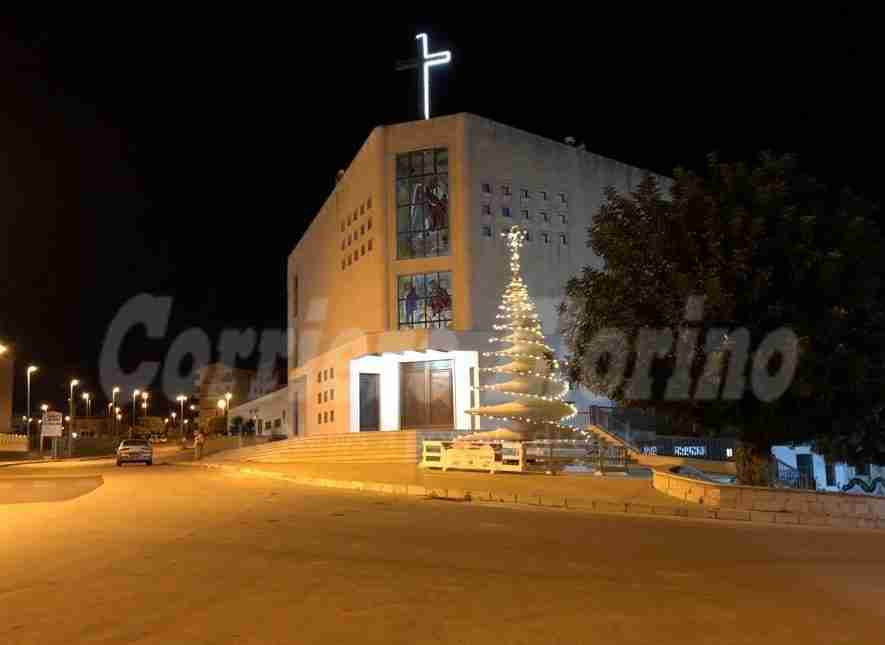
<point x="776" y="505"/>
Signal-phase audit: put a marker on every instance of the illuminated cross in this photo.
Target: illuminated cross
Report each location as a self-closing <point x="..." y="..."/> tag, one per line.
<point x="426" y="61"/>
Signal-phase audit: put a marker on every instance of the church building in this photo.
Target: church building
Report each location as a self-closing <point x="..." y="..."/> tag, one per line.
<point x="395" y="285"/>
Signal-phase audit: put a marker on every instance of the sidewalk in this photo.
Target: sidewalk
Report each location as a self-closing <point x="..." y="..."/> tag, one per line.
<point x="609" y="494"/>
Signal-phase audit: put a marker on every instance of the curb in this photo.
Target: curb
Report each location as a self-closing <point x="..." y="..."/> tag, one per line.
<point x="695" y="512"/>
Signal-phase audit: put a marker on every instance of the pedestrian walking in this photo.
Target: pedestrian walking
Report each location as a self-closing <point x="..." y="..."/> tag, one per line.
<point x="198" y="445"/>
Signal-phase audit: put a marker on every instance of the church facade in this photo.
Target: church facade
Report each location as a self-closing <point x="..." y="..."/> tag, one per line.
<point x="395" y="285"/>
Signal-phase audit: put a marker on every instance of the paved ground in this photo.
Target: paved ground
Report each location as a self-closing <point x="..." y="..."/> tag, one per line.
<point x="169" y="554"/>
<point x="636" y="488"/>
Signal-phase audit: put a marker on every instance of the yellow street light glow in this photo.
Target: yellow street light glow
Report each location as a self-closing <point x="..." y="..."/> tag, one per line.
<point x="144" y="395"/>
<point x="116" y="390"/>
<point x="32" y="369"/>
<point x="136" y="392"/>
<point x="222" y="403"/>
<point x="75" y="383"/>
<point x="2" y="349"/>
<point x="44" y="407"/>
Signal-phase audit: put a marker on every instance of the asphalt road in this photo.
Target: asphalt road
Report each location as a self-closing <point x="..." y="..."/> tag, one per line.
<point x="170" y="554"/>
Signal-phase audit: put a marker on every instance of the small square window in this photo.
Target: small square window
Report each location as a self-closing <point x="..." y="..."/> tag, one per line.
<point x="319" y="377"/>
<point x="486" y="188"/>
<point x="362" y="230"/>
<point x="543" y="195"/>
<point x="349" y="238"/>
<point x="331" y="372"/>
<point x="343" y="265"/>
<point x="527" y="235"/>
<point x="545" y="216"/>
<point x="486" y="231"/>
<point x="563" y="199"/>
<point x="505" y="190"/>
<point x="325" y="374"/>
<point x="505" y="211"/>
<point x="563" y="218"/>
<point x="486" y="209"/>
<point x="525" y="214"/>
<point x="319" y="417"/>
<point x="524" y="193"/>
<point x="348" y="220"/>
<point x="349" y="259"/>
<point x="342" y="227"/>
<point x="331" y="395"/>
<point x="545" y="238"/>
<point x="563" y="239"/>
<point x="363" y="249"/>
<point x="325" y="417"/>
<point x="369" y="224"/>
<point x="370" y="245"/>
<point x="319" y="397"/>
<point x="369" y="204"/>
<point x="356" y="255"/>
<point x="342" y="243"/>
<point x="331" y="416"/>
<point x="355" y="211"/>
<point x="362" y="209"/>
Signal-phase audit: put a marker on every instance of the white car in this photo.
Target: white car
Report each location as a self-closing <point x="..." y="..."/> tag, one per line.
<point x="135" y="450"/>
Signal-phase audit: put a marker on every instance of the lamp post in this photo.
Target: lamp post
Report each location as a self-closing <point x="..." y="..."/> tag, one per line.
<point x="87" y="397"/>
<point x="144" y="398"/>
<point x="31" y="370"/>
<point x="135" y="394"/>
<point x="114" y="394"/>
<point x="181" y="398"/>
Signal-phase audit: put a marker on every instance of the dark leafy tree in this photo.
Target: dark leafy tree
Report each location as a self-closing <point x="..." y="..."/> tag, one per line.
<point x="767" y="248"/>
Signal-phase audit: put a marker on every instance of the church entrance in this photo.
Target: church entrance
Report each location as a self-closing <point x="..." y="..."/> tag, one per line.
<point x="370" y="403"/>
<point x="426" y="395"/>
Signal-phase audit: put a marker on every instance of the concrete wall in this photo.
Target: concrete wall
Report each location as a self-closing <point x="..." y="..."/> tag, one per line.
<point x="776" y="505"/>
<point x="13" y="442"/>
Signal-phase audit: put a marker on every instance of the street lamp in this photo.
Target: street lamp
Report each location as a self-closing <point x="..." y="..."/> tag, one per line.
<point x="87" y="398"/>
<point x="114" y="394"/>
<point x="74" y="384"/>
<point x="181" y="398"/>
<point x="31" y="370"/>
<point x="144" y="397"/>
<point x="135" y="394"/>
<point x="3" y="349"/>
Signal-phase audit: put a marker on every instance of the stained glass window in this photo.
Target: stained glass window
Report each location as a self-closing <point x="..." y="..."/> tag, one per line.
<point x="422" y="199"/>
<point x="425" y="300"/>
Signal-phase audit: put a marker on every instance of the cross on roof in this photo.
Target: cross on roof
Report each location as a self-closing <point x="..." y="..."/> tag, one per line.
<point x="425" y="62"/>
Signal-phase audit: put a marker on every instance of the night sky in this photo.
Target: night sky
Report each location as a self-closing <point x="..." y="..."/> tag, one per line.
<point x="184" y="155"/>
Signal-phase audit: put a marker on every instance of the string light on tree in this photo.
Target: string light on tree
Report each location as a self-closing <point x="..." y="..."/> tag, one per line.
<point x="538" y="407"/>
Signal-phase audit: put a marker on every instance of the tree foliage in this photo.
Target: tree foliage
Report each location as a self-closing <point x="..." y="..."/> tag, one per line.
<point x="767" y="247"/>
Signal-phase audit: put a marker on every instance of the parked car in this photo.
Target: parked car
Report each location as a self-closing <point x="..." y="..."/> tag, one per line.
<point x="158" y="438"/>
<point x="135" y="450"/>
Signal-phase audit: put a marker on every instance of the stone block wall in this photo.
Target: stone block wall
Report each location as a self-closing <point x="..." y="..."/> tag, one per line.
<point x="774" y="504"/>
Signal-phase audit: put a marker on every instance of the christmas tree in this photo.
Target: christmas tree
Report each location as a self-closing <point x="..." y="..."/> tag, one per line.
<point x="537" y="408"/>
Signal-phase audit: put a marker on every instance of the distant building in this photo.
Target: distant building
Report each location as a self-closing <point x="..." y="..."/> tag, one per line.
<point x="828" y="475"/>
<point x="213" y="382"/>
<point x="7" y="375"/>
<point x="268" y="414"/>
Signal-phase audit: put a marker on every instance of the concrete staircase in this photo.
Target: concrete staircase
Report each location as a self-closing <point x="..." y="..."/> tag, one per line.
<point x="354" y="448"/>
